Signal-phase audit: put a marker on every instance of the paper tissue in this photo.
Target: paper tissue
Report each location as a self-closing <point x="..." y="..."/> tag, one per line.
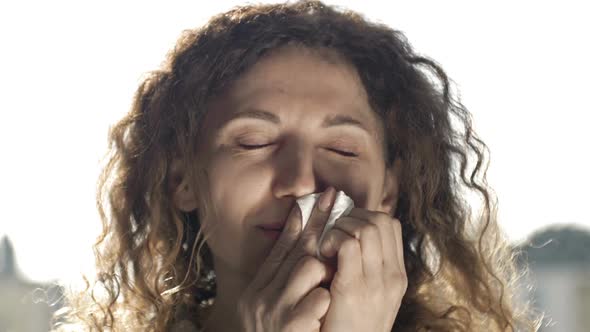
<point x="341" y="207"/>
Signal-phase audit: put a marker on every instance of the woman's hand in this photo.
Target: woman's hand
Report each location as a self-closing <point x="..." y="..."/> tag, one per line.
<point x="370" y="279"/>
<point x="285" y="294"/>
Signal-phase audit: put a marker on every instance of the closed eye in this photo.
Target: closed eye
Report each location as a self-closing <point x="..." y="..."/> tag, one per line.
<point x="256" y="147"/>
<point x="345" y="153"/>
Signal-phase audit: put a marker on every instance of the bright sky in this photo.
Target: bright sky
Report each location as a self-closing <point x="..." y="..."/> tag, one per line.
<point x="69" y="69"/>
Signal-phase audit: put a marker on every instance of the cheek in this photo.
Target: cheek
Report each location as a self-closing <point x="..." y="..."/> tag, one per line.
<point x="230" y="237"/>
<point x="374" y="194"/>
<point x="232" y="184"/>
<point x="232" y="178"/>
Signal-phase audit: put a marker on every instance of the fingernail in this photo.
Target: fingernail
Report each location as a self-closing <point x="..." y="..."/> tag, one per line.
<point x="326" y="199"/>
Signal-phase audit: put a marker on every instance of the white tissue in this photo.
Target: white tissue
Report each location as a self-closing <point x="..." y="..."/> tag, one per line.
<point x="342" y="206"/>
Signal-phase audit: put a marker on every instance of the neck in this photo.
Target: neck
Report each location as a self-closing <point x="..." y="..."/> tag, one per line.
<point x="223" y="314"/>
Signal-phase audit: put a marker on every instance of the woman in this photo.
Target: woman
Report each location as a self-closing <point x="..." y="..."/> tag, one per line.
<point x="263" y="105"/>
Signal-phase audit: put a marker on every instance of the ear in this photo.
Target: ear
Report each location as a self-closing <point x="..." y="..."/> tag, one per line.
<point x="391" y="183"/>
<point x="182" y="194"/>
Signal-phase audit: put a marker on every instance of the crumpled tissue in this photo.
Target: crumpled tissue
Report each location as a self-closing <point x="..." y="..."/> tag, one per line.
<point x="341" y="207"/>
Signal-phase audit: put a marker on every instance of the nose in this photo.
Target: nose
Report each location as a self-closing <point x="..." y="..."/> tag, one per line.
<point x="296" y="175"/>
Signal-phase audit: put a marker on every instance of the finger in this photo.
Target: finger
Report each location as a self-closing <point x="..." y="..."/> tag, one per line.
<point x="389" y="240"/>
<point x="370" y="240"/>
<point x="319" y="216"/>
<point x="308" y="274"/>
<point x="399" y="244"/>
<point x="308" y="241"/>
<point x="314" y="305"/>
<point x="333" y="241"/>
<point x="350" y="268"/>
<point x="398" y="278"/>
<point x="280" y="250"/>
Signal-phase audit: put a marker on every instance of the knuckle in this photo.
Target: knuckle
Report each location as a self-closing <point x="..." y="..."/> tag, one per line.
<point x="308" y="244"/>
<point x="274" y="260"/>
<point x="308" y="262"/>
<point x="383" y="222"/>
<point x="399" y="282"/>
<point x="349" y="245"/>
<point x="299" y="264"/>
<point x="291" y="233"/>
<point x="331" y="236"/>
<point x="293" y="264"/>
<point x="382" y="215"/>
<point x="295" y="256"/>
<point x="370" y="229"/>
<point x="314" y="224"/>
<point x="357" y="233"/>
<point x="396" y="224"/>
<point x="252" y="306"/>
<point x="329" y="241"/>
<point x="404" y="282"/>
<point x="282" y="246"/>
<point x="259" y="307"/>
<point x="311" y="266"/>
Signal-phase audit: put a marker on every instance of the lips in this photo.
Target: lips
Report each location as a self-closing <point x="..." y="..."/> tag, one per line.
<point x="278" y="226"/>
<point x="273" y="234"/>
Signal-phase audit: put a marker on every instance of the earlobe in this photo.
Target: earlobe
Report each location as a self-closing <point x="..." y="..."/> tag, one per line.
<point x="183" y="197"/>
<point x="391" y="188"/>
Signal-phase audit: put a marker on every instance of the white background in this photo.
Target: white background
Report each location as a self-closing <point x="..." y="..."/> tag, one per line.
<point x="68" y="70"/>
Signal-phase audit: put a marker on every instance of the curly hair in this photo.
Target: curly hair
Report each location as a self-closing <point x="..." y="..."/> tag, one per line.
<point x="154" y="267"/>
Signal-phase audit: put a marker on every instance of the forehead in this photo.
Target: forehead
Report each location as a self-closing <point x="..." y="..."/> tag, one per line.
<point x="319" y="74"/>
<point x="297" y="81"/>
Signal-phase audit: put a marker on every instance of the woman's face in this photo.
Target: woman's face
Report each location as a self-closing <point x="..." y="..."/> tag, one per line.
<point x="315" y="127"/>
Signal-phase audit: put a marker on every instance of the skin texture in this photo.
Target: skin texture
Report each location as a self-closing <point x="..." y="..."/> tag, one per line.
<point x="298" y="157"/>
<point x="161" y="261"/>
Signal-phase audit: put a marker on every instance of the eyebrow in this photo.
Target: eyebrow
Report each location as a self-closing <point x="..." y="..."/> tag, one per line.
<point x="329" y="121"/>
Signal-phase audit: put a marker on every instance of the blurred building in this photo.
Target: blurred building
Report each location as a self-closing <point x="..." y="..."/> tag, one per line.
<point x="24" y="306"/>
<point x="559" y="263"/>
